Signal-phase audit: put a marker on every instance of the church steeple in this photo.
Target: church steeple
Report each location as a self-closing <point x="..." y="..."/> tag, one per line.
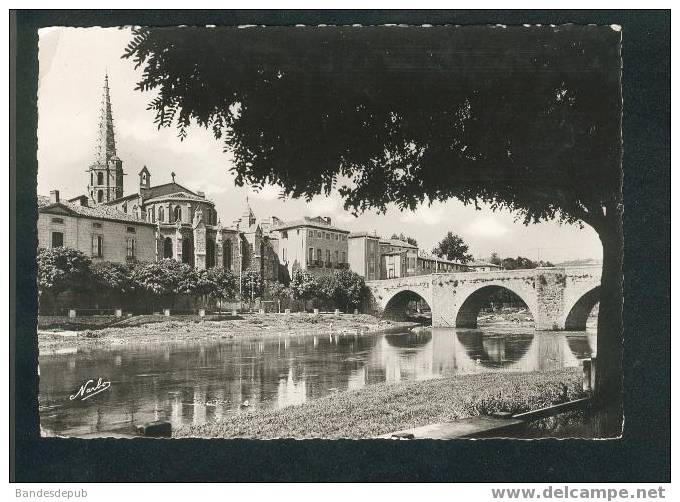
<point x="106" y="174"/>
<point x="106" y="141"/>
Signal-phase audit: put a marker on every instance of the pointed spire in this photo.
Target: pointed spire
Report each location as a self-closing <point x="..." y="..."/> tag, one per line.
<point x="106" y="142"/>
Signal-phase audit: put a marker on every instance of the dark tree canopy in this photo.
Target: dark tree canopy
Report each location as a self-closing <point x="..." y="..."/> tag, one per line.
<point x="522" y="263"/>
<point x="527" y="119"/>
<point x="453" y="247"/>
<point x="524" y="118"/>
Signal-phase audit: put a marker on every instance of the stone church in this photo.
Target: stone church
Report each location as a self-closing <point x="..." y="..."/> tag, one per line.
<point x="187" y="226"/>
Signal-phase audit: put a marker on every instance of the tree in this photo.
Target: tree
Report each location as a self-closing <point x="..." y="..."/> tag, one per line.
<point x="164" y="279"/>
<point x="303" y="285"/>
<point x="61" y="269"/>
<point x="252" y="285"/>
<point x="523" y="119"/>
<point x="114" y="277"/>
<point x="523" y="263"/>
<point x="453" y="247"/>
<point x="351" y="290"/>
<point x="216" y="283"/>
<point x="495" y="259"/>
<point x="404" y="238"/>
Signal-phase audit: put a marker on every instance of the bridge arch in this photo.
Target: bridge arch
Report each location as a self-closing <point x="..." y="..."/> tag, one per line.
<point x="468" y="312"/>
<point x="578" y="312"/>
<point x="397" y="305"/>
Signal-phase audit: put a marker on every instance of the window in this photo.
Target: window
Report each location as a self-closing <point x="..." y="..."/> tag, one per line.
<point x="125" y="207"/>
<point x="328" y="236"/>
<point x="319" y="234"/>
<point x="335" y="236"/>
<point x="284" y="234"/>
<point x="100" y="196"/>
<point x="57" y="220"/>
<point x="167" y="248"/>
<point x="178" y="213"/>
<point x="100" y="178"/>
<point x="298" y="231"/>
<point x="209" y="253"/>
<point x="96" y="225"/>
<point x="311" y="255"/>
<point x="283" y="255"/>
<point x="161" y="214"/>
<point x="130" y="248"/>
<point x="152" y="212"/>
<point x="344" y="258"/>
<point x="131" y="230"/>
<point x="318" y="255"/>
<point x="57" y="239"/>
<point x="328" y="255"/>
<point x="226" y="255"/>
<point x="335" y="256"/>
<point x="97" y="245"/>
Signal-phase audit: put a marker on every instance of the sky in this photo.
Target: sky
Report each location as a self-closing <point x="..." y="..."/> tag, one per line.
<point x="73" y="62"/>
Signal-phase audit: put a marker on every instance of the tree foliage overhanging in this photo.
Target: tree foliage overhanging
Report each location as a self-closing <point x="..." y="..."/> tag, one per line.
<point x="523" y="118"/>
<point x="527" y="119"/>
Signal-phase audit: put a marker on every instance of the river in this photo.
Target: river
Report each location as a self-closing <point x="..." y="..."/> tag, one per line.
<point x="197" y="382"/>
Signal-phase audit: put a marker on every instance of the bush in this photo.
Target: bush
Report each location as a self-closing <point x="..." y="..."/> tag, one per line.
<point x="343" y="289"/>
<point x="61" y="269"/>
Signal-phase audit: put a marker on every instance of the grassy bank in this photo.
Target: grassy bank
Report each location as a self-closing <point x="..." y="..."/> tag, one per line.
<point x="383" y="408"/>
<point x="157" y="329"/>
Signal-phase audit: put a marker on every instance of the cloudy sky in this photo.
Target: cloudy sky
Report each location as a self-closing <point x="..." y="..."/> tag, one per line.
<point x="72" y="66"/>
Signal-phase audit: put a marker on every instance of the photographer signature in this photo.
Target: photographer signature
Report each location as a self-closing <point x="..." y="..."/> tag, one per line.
<point x="90" y="388"/>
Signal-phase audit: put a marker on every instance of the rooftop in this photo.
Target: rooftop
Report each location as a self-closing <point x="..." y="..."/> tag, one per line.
<point x="177" y="195"/>
<point x="397" y="243"/>
<point x="102" y="212"/>
<point x="478" y="263"/>
<point x="372" y="235"/>
<point x="310" y="222"/>
<point x="429" y="256"/>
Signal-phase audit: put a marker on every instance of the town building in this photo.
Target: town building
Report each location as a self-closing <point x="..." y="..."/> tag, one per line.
<point x="100" y="232"/>
<point x="312" y="244"/>
<point x="363" y="252"/>
<point x="402" y="266"/>
<point x="483" y="266"/>
<point x="431" y="264"/>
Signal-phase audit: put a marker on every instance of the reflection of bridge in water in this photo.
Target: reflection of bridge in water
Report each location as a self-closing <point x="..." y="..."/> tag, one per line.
<point x="558" y="298"/>
<point x="443" y="351"/>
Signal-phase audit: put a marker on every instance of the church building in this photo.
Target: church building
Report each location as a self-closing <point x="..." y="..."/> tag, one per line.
<point x="187" y="226"/>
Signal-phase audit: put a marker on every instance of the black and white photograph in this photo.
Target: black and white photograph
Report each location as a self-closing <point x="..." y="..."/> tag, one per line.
<point x="378" y="232"/>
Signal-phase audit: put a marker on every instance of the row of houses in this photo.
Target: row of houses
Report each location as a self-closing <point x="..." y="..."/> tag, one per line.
<point x="183" y="225"/>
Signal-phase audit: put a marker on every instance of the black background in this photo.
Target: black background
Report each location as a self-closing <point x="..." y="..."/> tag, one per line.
<point x="643" y="455"/>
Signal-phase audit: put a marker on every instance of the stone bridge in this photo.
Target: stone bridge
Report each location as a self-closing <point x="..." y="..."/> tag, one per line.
<point x="558" y="298"/>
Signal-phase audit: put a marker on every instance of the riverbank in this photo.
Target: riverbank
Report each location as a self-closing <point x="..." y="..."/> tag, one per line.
<point x="60" y="333"/>
<point x="384" y="408"/>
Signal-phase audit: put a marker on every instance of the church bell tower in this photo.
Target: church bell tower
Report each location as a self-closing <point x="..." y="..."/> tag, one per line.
<point x="106" y="173"/>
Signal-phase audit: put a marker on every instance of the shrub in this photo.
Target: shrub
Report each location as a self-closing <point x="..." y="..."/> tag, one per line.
<point x="61" y="269"/>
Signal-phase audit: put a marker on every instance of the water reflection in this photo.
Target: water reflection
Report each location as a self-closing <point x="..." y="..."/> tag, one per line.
<point x="198" y="382"/>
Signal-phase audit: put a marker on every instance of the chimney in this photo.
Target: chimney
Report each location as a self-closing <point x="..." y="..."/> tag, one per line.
<point x="54" y="196"/>
<point x="328" y="219"/>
